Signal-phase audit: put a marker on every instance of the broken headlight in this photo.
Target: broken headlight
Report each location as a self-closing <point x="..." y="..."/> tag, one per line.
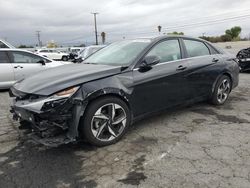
<point x="67" y="92"/>
<point x="59" y="98"/>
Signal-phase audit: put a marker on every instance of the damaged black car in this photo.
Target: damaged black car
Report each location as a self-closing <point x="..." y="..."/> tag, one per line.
<point x="244" y="59"/>
<point x="99" y="99"/>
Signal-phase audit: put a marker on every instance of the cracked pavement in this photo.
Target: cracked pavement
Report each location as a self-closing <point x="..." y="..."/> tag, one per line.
<point x="199" y="146"/>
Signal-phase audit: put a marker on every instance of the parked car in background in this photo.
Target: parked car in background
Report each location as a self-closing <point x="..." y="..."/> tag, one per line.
<point x="53" y="54"/>
<point x="76" y="50"/>
<point x="18" y="64"/>
<point x="87" y="51"/>
<point x="74" y="53"/>
<point x="244" y="59"/>
<point x="4" y="44"/>
<point x="127" y="80"/>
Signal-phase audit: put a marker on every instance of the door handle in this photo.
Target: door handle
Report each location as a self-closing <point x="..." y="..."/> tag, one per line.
<point x="180" y="68"/>
<point x="215" y="60"/>
<point x="18" y="66"/>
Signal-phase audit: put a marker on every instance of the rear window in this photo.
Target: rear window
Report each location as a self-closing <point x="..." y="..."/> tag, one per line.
<point x="3" y="57"/>
<point x="196" y="48"/>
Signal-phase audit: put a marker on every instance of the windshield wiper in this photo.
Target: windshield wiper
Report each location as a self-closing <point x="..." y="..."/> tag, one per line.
<point x="91" y="63"/>
<point x="124" y="68"/>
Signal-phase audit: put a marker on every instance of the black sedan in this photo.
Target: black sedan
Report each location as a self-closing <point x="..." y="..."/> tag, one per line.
<point x="125" y="81"/>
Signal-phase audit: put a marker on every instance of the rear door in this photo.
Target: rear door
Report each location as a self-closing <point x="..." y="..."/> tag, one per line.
<point x="202" y="62"/>
<point x="25" y="64"/>
<point x="6" y="71"/>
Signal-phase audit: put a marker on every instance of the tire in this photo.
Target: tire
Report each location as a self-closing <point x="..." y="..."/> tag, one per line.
<point x="65" y="58"/>
<point x="99" y="128"/>
<point x="221" y="91"/>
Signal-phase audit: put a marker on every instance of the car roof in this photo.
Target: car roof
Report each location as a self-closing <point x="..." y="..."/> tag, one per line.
<point x="13" y="49"/>
<point x="156" y="38"/>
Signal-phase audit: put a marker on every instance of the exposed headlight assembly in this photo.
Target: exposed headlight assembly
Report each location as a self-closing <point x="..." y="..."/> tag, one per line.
<point x="59" y="98"/>
<point x="67" y="92"/>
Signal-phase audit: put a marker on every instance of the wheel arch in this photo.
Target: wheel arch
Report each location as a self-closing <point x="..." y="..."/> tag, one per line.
<point x="226" y="73"/>
<point x="102" y="94"/>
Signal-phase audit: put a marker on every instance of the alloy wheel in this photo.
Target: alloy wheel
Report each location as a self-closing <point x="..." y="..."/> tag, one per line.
<point x="223" y="91"/>
<point x="108" y="122"/>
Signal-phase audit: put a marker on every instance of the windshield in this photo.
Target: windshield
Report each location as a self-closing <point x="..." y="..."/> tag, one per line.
<point x="119" y="53"/>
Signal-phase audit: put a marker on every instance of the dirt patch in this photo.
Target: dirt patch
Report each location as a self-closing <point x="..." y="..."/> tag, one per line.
<point x="145" y="141"/>
<point x="136" y="175"/>
<point x="225" y="118"/>
<point x="238" y="98"/>
<point x="204" y="111"/>
<point x="199" y="121"/>
<point x="133" y="178"/>
<point x="231" y="119"/>
<point x="180" y="131"/>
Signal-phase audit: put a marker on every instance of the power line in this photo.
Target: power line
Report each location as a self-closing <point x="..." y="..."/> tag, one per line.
<point x="181" y="26"/>
<point x="207" y="18"/>
<point x="201" y="24"/>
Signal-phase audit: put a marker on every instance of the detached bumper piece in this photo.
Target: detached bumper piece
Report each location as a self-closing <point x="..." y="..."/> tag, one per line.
<point x="51" y="142"/>
<point x="50" y="129"/>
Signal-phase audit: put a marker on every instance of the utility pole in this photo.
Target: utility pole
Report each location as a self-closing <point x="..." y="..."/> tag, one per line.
<point x="96" y="38"/>
<point x="159" y="29"/>
<point x="39" y="38"/>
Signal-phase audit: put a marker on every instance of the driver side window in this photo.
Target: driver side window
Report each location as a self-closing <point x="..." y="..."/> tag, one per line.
<point x="25" y="57"/>
<point x="168" y="50"/>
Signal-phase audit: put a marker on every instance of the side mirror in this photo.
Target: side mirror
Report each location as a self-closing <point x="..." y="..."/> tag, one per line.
<point x="41" y="62"/>
<point x="148" y="62"/>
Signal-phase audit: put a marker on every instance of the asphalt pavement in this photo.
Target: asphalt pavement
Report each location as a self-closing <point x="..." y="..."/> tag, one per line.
<point x="200" y="146"/>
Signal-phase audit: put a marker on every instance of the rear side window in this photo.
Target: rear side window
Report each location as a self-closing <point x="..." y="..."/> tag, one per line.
<point x="3" y="57"/>
<point x="168" y="50"/>
<point x="25" y="57"/>
<point x="196" y="48"/>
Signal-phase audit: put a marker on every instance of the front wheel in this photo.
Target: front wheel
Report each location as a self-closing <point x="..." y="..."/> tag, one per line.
<point x="105" y="121"/>
<point x="222" y="90"/>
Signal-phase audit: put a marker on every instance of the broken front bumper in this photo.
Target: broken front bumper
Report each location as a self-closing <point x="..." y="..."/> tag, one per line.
<point x="244" y="64"/>
<point x="53" y="121"/>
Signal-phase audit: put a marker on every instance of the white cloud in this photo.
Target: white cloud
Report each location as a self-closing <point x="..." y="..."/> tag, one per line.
<point x="71" y="21"/>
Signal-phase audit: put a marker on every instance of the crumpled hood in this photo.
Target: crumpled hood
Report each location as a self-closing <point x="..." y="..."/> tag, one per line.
<point x="56" y="79"/>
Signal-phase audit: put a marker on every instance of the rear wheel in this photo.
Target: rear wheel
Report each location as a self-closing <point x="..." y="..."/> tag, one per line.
<point x="105" y="121"/>
<point x="65" y="58"/>
<point x="222" y="90"/>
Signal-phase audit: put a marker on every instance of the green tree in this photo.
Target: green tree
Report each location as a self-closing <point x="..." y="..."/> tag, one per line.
<point x="25" y="46"/>
<point x="234" y="32"/>
<point x="226" y="38"/>
<point x="176" y="33"/>
<point x="103" y="35"/>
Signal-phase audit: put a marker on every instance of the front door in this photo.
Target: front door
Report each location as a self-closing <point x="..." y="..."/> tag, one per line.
<point x="6" y="71"/>
<point x="164" y="85"/>
<point x="25" y="64"/>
